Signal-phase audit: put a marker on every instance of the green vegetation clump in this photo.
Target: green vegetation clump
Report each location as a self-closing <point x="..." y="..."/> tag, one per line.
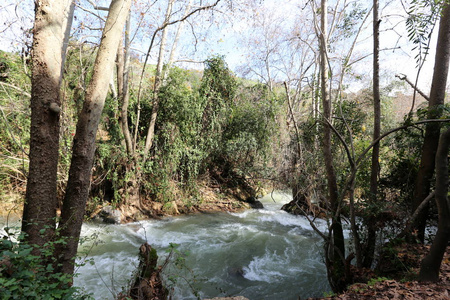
<point x="27" y="275"/>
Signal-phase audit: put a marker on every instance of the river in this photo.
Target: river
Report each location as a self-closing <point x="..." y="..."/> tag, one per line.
<point x="259" y="254"/>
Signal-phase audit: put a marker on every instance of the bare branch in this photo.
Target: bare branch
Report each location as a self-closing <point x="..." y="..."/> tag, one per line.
<point x="405" y="78"/>
<point x="416" y="213"/>
<point x="91" y="12"/>
<point x="311" y="222"/>
<point x="16" y="88"/>
<point x="98" y="7"/>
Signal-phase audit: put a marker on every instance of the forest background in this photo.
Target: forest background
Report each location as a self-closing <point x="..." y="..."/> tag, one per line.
<point x="177" y="119"/>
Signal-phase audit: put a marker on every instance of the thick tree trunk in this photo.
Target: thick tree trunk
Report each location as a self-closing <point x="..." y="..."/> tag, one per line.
<point x="335" y="248"/>
<point x="369" y="250"/>
<point x="430" y="143"/>
<point x="429" y="270"/>
<point x="40" y="199"/>
<point x="78" y="185"/>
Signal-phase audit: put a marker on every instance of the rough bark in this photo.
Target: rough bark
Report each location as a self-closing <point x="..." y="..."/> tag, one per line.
<point x="335" y="248"/>
<point x="430" y="143"/>
<point x="40" y="199"/>
<point x="369" y="250"/>
<point x="78" y="185"/>
<point x="429" y="270"/>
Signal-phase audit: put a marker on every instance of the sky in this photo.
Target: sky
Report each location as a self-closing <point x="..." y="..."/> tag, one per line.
<point x="226" y="38"/>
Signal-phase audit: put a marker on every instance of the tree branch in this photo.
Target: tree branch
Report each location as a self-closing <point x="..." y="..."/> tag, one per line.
<point x="414" y="216"/>
<point x="405" y="78"/>
<point x="16" y="88"/>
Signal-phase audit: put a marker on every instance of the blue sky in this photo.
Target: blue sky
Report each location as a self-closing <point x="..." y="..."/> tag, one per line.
<point x="228" y="37"/>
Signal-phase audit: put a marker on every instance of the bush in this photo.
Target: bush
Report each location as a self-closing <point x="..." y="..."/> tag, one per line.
<point x="25" y="275"/>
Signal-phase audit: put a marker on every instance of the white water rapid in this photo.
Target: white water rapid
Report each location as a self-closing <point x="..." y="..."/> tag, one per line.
<point x="259" y="254"/>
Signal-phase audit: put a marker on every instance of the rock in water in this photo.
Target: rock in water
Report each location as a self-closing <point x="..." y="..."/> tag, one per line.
<point x="110" y="215"/>
<point x="254" y="203"/>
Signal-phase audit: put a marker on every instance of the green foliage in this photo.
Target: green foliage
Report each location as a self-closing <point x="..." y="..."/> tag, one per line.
<point x="422" y="17"/>
<point x="215" y="124"/>
<point x="252" y="124"/>
<point x="25" y="275"/>
<point x="218" y="82"/>
<point x="329" y="294"/>
<point x="179" y="126"/>
<point x="355" y="14"/>
<point x="14" y="119"/>
<point x="175" y="269"/>
<point x="404" y="156"/>
<point x="374" y="281"/>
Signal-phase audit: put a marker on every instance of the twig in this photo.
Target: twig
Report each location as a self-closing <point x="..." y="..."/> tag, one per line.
<point x="16" y="88"/>
<point x="311" y="222"/>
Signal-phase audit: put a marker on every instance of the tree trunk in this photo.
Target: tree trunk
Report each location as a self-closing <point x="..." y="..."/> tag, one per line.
<point x="335" y="250"/>
<point x="369" y="250"/>
<point x="430" y="143"/>
<point x="148" y="283"/>
<point x="40" y="200"/>
<point x="157" y="85"/>
<point x="429" y="270"/>
<point x="177" y="38"/>
<point x="78" y="185"/>
<point x="123" y="70"/>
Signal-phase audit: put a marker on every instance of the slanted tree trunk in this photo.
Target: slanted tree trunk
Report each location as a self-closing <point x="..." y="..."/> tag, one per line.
<point x="78" y="185"/>
<point x="47" y="54"/>
<point x="430" y="143"/>
<point x="369" y="250"/>
<point x="429" y="269"/>
<point x="335" y="248"/>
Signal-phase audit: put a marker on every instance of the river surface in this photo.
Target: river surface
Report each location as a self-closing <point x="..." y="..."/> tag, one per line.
<point x="259" y="254"/>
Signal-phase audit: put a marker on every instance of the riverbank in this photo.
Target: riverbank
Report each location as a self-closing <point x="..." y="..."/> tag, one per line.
<point x="402" y="288"/>
<point x="206" y="199"/>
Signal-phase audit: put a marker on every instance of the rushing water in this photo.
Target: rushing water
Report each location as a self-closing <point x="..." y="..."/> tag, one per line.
<point x="259" y="254"/>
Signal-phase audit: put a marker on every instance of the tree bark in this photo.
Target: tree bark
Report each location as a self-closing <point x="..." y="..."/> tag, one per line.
<point x="369" y="250"/>
<point x="40" y="200"/>
<point x="157" y="85"/>
<point x="335" y="252"/>
<point x="430" y="143"/>
<point x="123" y="70"/>
<point x="78" y="185"/>
<point x="429" y="269"/>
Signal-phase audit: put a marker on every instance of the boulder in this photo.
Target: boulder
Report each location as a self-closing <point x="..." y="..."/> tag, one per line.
<point x="110" y="215"/>
<point x="254" y="203"/>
